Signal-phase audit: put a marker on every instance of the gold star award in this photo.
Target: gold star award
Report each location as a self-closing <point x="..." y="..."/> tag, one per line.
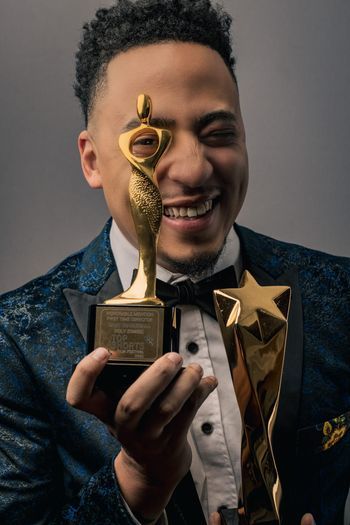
<point x="253" y="322"/>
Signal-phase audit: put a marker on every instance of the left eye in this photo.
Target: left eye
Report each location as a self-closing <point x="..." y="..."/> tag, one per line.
<point x="220" y="137"/>
<point x="145" y="145"/>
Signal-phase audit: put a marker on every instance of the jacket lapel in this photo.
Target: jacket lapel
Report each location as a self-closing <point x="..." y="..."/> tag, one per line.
<point x="80" y="302"/>
<point x="98" y="280"/>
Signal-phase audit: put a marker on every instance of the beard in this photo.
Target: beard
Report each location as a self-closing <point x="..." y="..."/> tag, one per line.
<point x="195" y="268"/>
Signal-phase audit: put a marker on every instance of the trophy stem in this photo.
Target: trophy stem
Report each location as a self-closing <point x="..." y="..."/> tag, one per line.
<point x="146" y="209"/>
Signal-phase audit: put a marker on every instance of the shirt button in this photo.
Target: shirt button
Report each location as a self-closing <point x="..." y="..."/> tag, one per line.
<point x="207" y="428"/>
<point x="192" y="347"/>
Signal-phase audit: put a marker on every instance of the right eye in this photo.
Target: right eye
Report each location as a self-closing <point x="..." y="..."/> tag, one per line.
<point x="145" y="145"/>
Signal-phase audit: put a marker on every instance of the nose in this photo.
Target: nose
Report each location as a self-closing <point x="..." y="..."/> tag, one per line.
<point x="185" y="162"/>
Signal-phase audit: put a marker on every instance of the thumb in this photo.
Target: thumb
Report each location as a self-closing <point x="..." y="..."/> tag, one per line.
<point x="214" y="519"/>
<point x="307" y="519"/>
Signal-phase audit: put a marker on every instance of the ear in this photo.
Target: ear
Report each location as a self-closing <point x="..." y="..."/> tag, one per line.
<point x="88" y="159"/>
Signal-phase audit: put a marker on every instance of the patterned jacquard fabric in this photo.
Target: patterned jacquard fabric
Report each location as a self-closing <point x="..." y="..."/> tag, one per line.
<point x="56" y="462"/>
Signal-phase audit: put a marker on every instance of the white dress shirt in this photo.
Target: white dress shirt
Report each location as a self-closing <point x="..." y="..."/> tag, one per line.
<point x="215" y="435"/>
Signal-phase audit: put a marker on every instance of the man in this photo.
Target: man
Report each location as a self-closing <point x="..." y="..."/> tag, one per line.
<point x="62" y="465"/>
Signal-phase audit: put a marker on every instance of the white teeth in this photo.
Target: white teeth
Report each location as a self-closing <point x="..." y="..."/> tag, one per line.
<point x="201" y="209"/>
<point x="192" y="211"/>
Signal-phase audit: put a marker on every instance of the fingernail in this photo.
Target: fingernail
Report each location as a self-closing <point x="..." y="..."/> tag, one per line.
<point x="175" y="357"/>
<point x="100" y="354"/>
<point x="197" y="367"/>
<point x="213" y="381"/>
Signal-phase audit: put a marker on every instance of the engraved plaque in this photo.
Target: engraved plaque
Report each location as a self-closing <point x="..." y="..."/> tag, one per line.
<point x="134" y="335"/>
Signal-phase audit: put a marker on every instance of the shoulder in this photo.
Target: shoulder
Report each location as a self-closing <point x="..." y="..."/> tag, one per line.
<point x="42" y="299"/>
<point x="41" y="295"/>
<point x="278" y="256"/>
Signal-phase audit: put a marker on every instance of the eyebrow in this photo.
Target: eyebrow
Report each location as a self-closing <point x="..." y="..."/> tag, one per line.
<point x="156" y="122"/>
<point x="208" y="118"/>
<point x="201" y="122"/>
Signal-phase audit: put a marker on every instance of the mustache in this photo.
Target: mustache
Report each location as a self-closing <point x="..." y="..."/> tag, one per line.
<point x="190" y="192"/>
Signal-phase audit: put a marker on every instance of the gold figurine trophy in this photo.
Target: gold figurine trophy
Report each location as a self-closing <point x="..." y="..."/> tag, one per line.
<point x="253" y="322"/>
<point x="136" y="326"/>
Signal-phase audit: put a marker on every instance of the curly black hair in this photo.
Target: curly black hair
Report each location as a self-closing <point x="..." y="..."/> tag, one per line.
<point x="137" y="23"/>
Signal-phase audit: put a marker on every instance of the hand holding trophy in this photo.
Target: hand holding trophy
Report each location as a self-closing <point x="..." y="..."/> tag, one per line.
<point x="136" y="326"/>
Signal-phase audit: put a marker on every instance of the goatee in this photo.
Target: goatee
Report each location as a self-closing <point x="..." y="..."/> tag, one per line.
<point x="195" y="268"/>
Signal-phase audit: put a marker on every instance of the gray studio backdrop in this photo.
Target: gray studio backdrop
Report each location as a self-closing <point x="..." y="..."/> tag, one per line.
<point x="294" y="77"/>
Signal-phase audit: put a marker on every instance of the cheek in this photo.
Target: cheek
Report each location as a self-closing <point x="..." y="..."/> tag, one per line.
<point x="234" y="180"/>
<point x="235" y="170"/>
<point x="116" y="174"/>
<point x="116" y="191"/>
<point x="227" y="161"/>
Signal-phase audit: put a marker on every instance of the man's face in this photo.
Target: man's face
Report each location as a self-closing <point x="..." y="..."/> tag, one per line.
<point x="203" y="176"/>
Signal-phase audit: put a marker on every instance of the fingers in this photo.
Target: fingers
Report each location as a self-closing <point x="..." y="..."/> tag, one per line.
<point x="82" y="382"/>
<point x="80" y="391"/>
<point x="180" y="424"/>
<point x="141" y="395"/>
<point x="214" y="519"/>
<point x="171" y="401"/>
<point x="307" y="519"/>
<point x="164" y="394"/>
<point x="164" y="398"/>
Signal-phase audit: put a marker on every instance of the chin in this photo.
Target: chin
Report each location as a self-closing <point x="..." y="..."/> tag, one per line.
<point x="195" y="264"/>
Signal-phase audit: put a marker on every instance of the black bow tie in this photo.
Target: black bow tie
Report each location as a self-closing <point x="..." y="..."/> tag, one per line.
<point x="200" y="293"/>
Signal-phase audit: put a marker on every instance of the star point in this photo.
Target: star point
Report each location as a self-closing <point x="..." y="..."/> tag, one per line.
<point x="260" y="310"/>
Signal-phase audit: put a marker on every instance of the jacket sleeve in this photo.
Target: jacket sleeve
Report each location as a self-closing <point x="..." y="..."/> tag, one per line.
<point x="31" y="475"/>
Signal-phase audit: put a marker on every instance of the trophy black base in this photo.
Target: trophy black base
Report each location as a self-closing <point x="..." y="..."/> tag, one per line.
<point x="135" y="336"/>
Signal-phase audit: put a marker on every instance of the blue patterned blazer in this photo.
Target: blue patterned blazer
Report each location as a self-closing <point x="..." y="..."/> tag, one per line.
<point x="56" y="462"/>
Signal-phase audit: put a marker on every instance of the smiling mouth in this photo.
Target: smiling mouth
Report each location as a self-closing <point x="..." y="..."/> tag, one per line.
<point x="190" y="212"/>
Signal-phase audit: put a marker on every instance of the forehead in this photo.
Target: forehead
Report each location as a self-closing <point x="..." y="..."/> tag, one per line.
<point x="180" y="78"/>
